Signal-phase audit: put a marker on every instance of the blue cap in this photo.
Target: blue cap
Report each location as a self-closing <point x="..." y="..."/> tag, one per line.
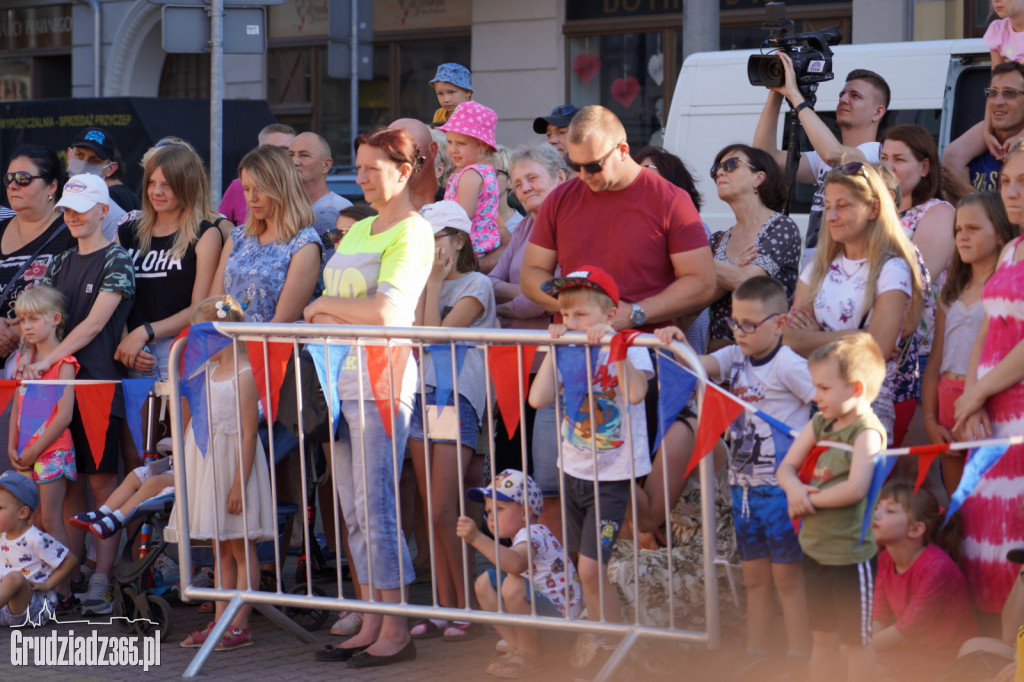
<point x="453" y="73"/>
<point x="22" y="487"/>
<point x="511" y="485"/>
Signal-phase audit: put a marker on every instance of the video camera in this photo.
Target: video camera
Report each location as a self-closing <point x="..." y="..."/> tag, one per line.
<point x="810" y="52"/>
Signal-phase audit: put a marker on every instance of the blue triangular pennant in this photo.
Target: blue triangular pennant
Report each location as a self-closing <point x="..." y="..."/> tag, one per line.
<point x="36" y="408"/>
<point x="883" y="467"/>
<point x="203" y="341"/>
<point x="782" y="436"/>
<point x="979" y="462"/>
<point x="135" y="393"/>
<point x="675" y="386"/>
<point x="572" y="366"/>
<point x="441" y="356"/>
<point x="338" y="354"/>
<point x="194" y="389"/>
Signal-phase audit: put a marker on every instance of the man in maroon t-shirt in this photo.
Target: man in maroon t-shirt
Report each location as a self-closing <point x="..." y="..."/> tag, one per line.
<point x="640" y="228"/>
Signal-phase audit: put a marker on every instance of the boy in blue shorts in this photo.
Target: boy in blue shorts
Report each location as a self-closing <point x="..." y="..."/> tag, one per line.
<point x="832" y="501"/>
<point x="32" y="563"/>
<point x="514" y="503"/>
<point x="775" y="380"/>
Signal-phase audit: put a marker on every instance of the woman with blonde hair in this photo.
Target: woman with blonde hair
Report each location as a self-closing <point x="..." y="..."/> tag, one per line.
<point x="272" y="262"/>
<point x="174" y="253"/>
<point x="863" y="276"/>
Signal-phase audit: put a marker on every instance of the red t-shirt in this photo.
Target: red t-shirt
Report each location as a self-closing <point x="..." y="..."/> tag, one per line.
<point x="630" y="233"/>
<point x="929" y="605"/>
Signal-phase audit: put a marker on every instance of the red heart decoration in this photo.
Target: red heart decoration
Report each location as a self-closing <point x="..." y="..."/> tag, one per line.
<point x="625" y="90"/>
<point x="586" y="66"/>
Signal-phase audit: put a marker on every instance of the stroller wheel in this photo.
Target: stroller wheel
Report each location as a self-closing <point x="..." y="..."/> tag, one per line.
<point x="311" y="619"/>
<point x="158" y="618"/>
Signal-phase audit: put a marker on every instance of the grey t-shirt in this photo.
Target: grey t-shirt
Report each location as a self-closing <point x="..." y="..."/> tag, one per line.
<point x="471" y="379"/>
<point x="326" y="209"/>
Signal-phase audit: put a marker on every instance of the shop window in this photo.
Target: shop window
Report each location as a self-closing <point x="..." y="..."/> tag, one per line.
<point x="185" y="76"/>
<point x="15" y="79"/>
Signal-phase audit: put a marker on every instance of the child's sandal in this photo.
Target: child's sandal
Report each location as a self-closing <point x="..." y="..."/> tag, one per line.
<point x="518" y="664"/>
<point x="197" y="638"/>
<point x="235" y="638"/>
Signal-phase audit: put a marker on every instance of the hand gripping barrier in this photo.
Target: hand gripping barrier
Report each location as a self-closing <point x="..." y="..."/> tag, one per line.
<point x="373" y="360"/>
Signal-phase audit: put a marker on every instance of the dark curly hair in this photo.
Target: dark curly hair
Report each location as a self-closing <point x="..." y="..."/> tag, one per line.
<point x="775" y="189"/>
<point x="672" y="169"/>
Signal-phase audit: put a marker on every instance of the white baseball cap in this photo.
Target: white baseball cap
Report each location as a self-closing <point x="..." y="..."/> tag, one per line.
<point x="446" y="213"/>
<point x="84" y="191"/>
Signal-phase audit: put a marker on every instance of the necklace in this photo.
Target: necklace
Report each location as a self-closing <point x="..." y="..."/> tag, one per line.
<point x="850" y="272"/>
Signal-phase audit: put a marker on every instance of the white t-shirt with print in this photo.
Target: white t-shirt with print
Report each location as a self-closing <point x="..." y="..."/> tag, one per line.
<point x="35" y="554"/>
<point x="552" y="575"/>
<point x="610" y="422"/>
<point x="839" y="304"/>
<point x="779" y="385"/>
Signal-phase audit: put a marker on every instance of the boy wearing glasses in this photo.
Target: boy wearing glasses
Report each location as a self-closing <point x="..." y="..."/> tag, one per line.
<point x="775" y="380"/>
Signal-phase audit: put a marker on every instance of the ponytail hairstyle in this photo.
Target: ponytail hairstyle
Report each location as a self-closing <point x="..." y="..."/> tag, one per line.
<point x="218" y="309"/>
<point x="924" y="508"/>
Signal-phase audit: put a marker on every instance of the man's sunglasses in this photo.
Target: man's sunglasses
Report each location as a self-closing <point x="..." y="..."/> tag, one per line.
<point x="594" y="167"/>
<point x="731" y="164"/>
<point x="21" y="178"/>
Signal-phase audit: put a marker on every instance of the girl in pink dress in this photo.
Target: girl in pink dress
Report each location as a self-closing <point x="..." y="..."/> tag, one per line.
<point x="992" y="405"/>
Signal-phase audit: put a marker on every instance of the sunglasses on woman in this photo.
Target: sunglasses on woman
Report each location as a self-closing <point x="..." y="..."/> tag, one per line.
<point x="594" y="167"/>
<point x="21" y="178"/>
<point x="852" y="168"/>
<point x="731" y="164"/>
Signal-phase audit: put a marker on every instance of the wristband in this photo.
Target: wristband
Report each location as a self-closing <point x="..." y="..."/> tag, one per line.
<point x="800" y="107"/>
<point x="932" y="416"/>
<point x="149" y="331"/>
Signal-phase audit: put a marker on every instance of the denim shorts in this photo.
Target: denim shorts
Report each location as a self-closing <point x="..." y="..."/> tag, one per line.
<point x="34" y="612"/>
<point x="545" y="607"/>
<point x="469" y="423"/>
<point x="763" y="526"/>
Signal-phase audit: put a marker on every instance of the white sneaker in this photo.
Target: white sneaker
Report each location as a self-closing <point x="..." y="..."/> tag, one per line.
<point x="348" y="624"/>
<point x="502" y="647"/>
<point x="99" y="600"/>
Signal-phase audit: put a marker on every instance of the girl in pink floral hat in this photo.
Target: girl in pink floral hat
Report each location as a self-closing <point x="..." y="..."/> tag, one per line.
<point x="474" y="185"/>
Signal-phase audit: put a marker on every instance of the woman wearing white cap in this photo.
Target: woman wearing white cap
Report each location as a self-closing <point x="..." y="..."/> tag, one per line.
<point x="98" y="280"/>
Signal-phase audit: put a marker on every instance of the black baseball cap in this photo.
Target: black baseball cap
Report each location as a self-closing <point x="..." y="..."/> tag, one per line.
<point x="98" y="140"/>
<point x="559" y="116"/>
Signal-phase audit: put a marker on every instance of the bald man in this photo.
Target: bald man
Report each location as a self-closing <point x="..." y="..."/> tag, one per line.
<point x="312" y="158"/>
<point x="423" y="186"/>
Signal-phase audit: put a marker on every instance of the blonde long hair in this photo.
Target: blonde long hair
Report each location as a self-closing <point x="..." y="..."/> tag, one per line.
<point x="885" y="238"/>
<point x="186" y="176"/>
<point x="275" y="176"/>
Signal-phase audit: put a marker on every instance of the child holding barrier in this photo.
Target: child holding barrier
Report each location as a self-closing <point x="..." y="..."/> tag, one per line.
<point x="774" y="379"/>
<point x="217" y="482"/>
<point x="588" y="298"/>
<point x="847" y="375"/>
<point x="32" y="563"/>
<point x="514" y="503"/>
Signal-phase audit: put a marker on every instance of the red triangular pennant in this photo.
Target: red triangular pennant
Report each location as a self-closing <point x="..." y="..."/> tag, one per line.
<point x="926" y="454"/>
<point x="806" y="473"/>
<point x="8" y="387"/>
<point x="278" y="355"/>
<point x="377" y="368"/>
<point x="183" y="334"/>
<point x="717" y="411"/>
<point x="502" y="361"/>
<point x="94" y="404"/>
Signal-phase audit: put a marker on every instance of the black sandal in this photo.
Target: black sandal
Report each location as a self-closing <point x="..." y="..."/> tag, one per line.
<point x="337" y="653"/>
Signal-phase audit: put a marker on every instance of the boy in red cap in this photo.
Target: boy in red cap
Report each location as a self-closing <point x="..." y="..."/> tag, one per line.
<point x="616" y="430"/>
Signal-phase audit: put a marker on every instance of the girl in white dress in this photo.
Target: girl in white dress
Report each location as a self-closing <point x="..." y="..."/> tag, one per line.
<point x="215" y="481"/>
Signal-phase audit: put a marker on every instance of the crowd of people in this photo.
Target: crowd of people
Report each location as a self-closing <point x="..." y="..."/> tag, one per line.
<point x="897" y="322"/>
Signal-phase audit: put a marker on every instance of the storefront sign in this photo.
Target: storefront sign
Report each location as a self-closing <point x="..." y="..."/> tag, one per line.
<point x="604" y="9"/>
<point x="25" y="28"/>
<point x="407" y="15"/>
<point x="299" y="18"/>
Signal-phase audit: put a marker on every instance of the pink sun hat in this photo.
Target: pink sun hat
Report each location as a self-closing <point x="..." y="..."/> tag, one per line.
<point x="473" y="119"/>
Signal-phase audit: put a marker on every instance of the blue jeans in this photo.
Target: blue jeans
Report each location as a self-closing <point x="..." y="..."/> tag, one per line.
<point x="365" y="450"/>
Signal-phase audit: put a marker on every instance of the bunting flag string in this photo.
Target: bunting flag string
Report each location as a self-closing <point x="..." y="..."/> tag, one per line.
<point x="381" y="381"/>
<point x="675" y="386"/>
<point x="883" y="466"/>
<point x="135" y="393"/>
<point x="193" y="389"/>
<point x="8" y="387"/>
<point x="441" y="356"/>
<point x="95" y="404"/>
<point x="278" y="355"/>
<point x="38" y="404"/>
<point x="572" y="366"/>
<point x="329" y="375"/>
<point x="979" y="462"/>
<point x="204" y="340"/>
<point x="503" y="363"/>
<point x="716" y="414"/>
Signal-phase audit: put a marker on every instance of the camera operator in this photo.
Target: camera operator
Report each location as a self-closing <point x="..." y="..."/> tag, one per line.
<point x="862" y="104"/>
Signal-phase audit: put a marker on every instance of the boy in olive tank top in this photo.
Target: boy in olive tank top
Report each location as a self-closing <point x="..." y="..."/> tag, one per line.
<point x="831" y="501"/>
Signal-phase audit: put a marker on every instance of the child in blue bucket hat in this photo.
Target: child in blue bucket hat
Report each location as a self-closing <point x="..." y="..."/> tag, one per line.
<point x="453" y="86"/>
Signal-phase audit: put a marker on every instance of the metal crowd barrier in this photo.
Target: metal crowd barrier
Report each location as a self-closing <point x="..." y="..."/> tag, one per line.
<point x="268" y="602"/>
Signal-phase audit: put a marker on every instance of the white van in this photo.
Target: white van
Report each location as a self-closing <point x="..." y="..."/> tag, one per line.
<point x="937" y="84"/>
